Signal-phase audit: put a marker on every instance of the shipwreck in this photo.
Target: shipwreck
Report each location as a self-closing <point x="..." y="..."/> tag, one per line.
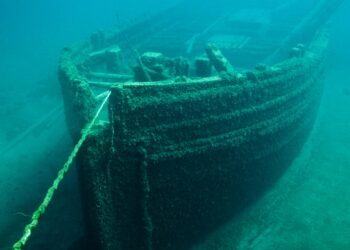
<point x="209" y="105"/>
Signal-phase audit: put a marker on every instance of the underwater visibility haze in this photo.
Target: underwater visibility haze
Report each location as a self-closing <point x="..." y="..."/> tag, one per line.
<point x="178" y="125"/>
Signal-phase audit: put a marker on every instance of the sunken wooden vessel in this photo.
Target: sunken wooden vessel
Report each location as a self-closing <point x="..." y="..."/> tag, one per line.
<point x="206" y="111"/>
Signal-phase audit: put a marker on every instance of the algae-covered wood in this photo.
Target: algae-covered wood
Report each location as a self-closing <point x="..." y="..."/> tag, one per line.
<point x="180" y="158"/>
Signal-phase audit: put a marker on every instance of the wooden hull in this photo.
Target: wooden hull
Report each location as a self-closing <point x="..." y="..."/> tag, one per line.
<point x="178" y="159"/>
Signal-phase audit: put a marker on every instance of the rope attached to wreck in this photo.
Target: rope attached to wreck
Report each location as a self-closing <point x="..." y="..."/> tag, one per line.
<point x="60" y="175"/>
